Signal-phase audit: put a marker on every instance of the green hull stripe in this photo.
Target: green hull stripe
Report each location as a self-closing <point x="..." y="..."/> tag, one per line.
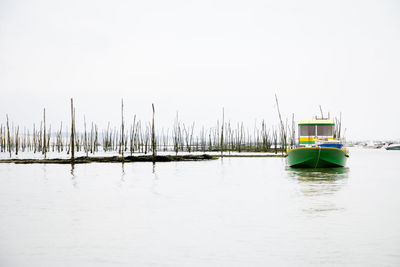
<point x="306" y="142"/>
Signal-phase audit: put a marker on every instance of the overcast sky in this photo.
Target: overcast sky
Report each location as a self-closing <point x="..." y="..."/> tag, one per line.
<point x="196" y="57"/>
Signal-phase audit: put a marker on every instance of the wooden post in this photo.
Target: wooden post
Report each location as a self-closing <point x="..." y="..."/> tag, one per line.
<point x="72" y="131"/>
<point x="122" y="144"/>
<point x="44" y="150"/>
<point x="8" y="138"/>
<point x="283" y="131"/>
<point x="85" y="141"/>
<point x="222" y="133"/>
<point x="153" y="137"/>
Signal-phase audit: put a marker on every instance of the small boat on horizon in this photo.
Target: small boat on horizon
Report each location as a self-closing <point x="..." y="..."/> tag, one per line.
<point x="317" y="146"/>
<point x="393" y="147"/>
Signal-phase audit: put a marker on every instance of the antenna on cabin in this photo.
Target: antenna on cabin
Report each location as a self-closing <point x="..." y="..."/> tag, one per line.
<point x="322" y="114"/>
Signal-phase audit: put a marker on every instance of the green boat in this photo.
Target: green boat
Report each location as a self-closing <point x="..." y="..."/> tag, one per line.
<point x="317" y="147"/>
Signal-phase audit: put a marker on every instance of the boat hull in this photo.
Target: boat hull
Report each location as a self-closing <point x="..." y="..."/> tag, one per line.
<point x="396" y="147"/>
<point x="316" y="157"/>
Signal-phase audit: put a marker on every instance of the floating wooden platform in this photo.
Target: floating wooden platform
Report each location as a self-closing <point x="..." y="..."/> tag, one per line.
<point x="81" y="160"/>
<point x="146" y="158"/>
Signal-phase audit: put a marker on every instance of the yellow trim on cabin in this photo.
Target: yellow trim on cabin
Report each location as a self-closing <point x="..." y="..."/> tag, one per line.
<point x="312" y="138"/>
<point x="316" y="122"/>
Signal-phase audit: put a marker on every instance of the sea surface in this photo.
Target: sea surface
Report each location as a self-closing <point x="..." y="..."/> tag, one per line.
<point x="225" y="212"/>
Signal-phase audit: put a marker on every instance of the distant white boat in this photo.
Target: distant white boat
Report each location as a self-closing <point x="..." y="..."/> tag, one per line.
<point x="374" y="144"/>
<point x="393" y="147"/>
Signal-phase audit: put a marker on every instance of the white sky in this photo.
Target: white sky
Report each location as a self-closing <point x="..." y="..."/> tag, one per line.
<point x="196" y="57"/>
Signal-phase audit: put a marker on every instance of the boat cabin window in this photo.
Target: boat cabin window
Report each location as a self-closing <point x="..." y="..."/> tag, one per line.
<point x="307" y="130"/>
<point x="316" y="130"/>
<point x="324" y="130"/>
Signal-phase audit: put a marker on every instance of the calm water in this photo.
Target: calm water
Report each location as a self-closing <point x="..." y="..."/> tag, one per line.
<point x="230" y="212"/>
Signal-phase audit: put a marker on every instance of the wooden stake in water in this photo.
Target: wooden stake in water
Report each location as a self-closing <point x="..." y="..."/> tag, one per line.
<point x="222" y="133"/>
<point x="122" y="144"/>
<point x="85" y="144"/>
<point x="44" y="150"/>
<point x="8" y="137"/>
<point x="153" y="137"/>
<point x="72" y="131"/>
<point x="283" y="130"/>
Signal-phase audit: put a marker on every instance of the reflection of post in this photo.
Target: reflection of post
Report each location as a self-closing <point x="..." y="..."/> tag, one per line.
<point x="73" y="178"/>
<point x="72" y="170"/>
<point x="44" y="172"/>
<point x="123" y="172"/>
<point x="155" y="181"/>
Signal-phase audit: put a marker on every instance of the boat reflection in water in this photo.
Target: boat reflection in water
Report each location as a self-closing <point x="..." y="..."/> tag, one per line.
<point x="319" y="174"/>
<point x="317" y="188"/>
